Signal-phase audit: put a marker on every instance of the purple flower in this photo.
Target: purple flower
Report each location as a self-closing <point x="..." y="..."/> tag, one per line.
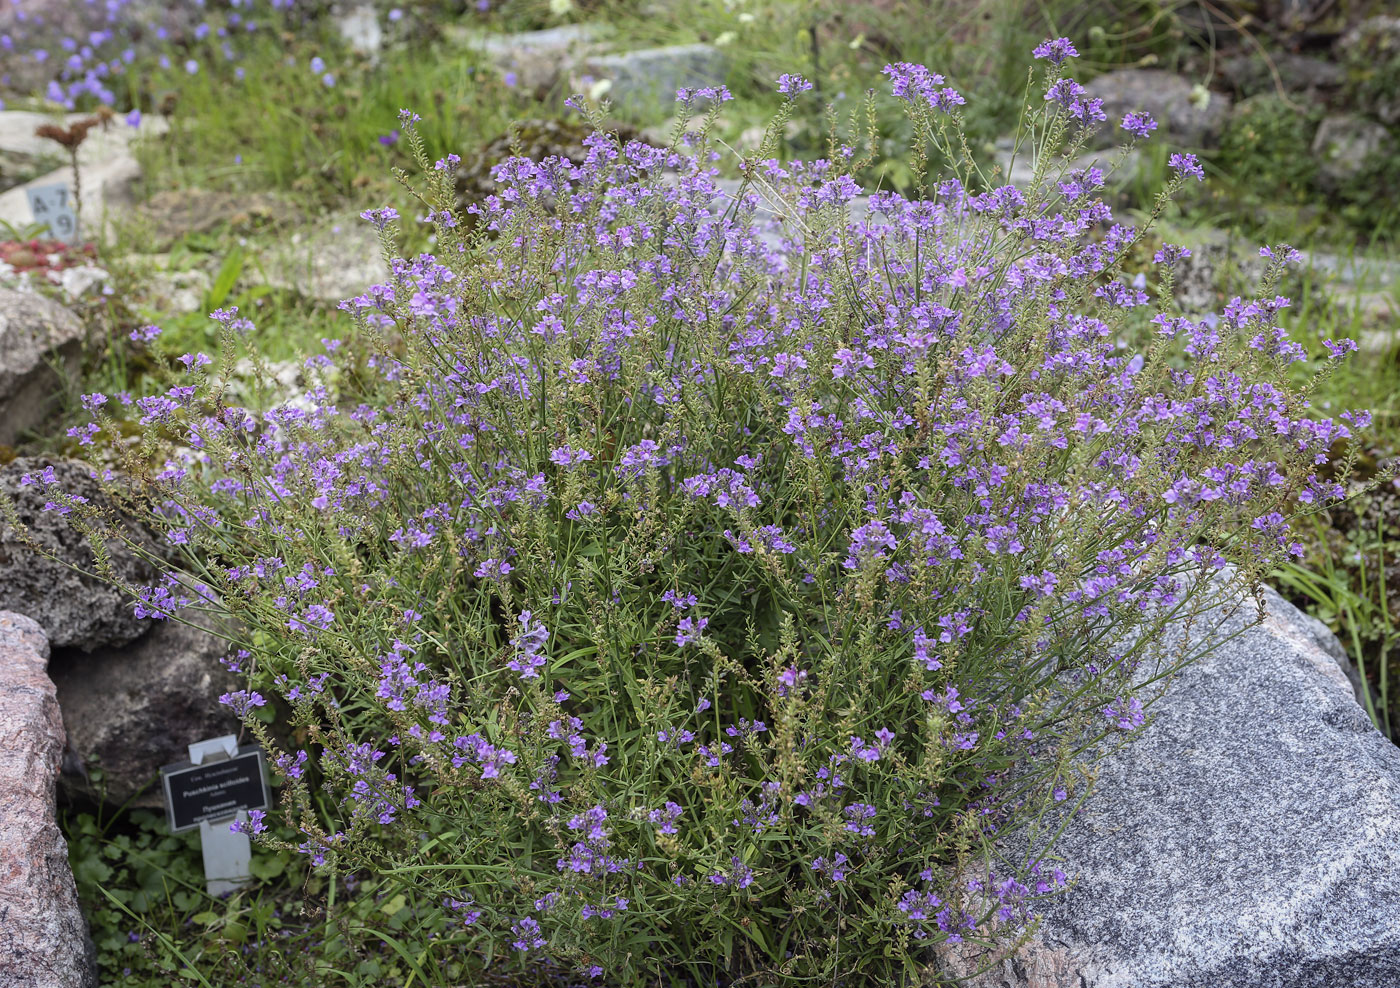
<point x="527" y="935"/>
<point x="1186" y="164"/>
<point x="528" y="643"/>
<point x="567" y="456"/>
<point x="739" y="875"/>
<point x="1126" y="715"/>
<point x="253" y="825"/>
<point x="1139" y="124"/>
<point x="689" y="630"/>
<point x="1056" y="50"/>
<point x="914" y="83"/>
<point x="792" y="85"/>
<point x="1170" y="254"/>
<point x="242" y="701"/>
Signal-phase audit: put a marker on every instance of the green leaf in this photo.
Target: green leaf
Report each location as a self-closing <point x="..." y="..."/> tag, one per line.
<point x="266" y="867"/>
<point x="224" y="281"/>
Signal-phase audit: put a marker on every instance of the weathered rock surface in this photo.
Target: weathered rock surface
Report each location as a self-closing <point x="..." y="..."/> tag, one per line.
<point x="128" y="711"/>
<point x="644" y="82"/>
<point x="1343" y="144"/>
<point x="336" y="261"/>
<point x="1019" y="169"/>
<point x="1220" y="266"/>
<point x="1249" y="838"/>
<point x="358" y="26"/>
<point x="1251" y="73"/>
<point x="35" y="334"/>
<point x="74" y="609"/>
<point x="43" y="938"/>
<point x="1186" y="114"/>
<point x="537" y="60"/>
<point x="168" y="216"/>
<point x="166" y="288"/>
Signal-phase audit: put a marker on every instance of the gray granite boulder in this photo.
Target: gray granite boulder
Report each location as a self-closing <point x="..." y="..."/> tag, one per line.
<point x="130" y="710"/>
<point x="334" y="261"/>
<point x="1250" y="73"/>
<point x="1249" y="837"/>
<point x="43" y="938"/>
<point x="1186" y="115"/>
<point x="644" y="82"/>
<point x="38" y="339"/>
<point x="75" y="610"/>
<point x="1344" y="143"/>
<point x="536" y="61"/>
<point x="358" y="26"/>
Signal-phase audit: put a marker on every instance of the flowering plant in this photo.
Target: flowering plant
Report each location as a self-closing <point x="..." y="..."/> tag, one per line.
<point x="696" y="584"/>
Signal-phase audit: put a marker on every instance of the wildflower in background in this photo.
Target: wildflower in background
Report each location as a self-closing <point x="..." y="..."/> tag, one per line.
<point x="833" y="867"/>
<point x="689" y="630"/>
<point x="527" y="935"/>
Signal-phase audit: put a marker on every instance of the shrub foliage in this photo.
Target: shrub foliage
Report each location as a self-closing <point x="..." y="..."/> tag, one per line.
<point x="694" y="584"/>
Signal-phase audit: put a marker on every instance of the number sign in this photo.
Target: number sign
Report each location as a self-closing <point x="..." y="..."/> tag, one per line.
<point x="52" y="207"/>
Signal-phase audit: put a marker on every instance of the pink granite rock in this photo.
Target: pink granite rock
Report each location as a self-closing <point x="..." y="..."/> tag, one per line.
<point x="43" y="938"/>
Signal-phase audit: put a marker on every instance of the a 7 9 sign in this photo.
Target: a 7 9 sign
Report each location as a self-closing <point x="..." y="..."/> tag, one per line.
<point x="52" y="208"/>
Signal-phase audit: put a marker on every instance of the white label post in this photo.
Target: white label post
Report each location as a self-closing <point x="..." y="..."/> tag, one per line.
<point x="227" y="854"/>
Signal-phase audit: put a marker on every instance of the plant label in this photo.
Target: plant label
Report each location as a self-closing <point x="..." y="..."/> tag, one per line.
<point x="217" y="787"/>
<point x="52" y="207"/>
<point x="214" y="788"/>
